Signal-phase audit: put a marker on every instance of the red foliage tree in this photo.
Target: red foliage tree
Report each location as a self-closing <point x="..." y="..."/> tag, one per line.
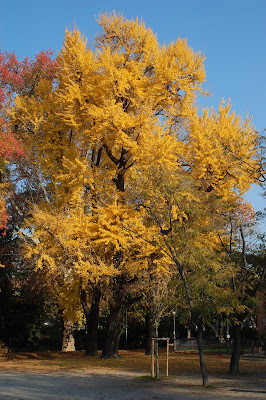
<point x="17" y="77"/>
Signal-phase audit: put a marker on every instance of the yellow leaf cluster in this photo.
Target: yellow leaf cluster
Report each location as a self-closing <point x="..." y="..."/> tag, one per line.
<point x="221" y="149"/>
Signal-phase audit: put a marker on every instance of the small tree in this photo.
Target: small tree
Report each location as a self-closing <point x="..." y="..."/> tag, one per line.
<point x="247" y="277"/>
<point x="184" y="236"/>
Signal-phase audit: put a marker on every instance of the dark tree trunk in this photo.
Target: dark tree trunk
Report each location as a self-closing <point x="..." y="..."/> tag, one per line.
<point x="121" y="286"/>
<point x="150" y="332"/>
<point x="111" y="344"/>
<point x="235" y="358"/>
<point x="203" y="368"/>
<point x="92" y="315"/>
<point x="195" y="319"/>
<point x="117" y="306"/>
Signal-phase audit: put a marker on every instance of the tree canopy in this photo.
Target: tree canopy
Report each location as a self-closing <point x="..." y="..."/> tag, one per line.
<point x="133" y="171"/>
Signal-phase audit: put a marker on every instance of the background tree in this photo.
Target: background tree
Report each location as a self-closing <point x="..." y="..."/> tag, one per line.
<point x="248" y="278"/>
<point x="28" y="307"/>
<point x="9" y="145"/>
<point x="16" y="77"/>
<point x="25" y="303"/>
<point x="184" y="221"/>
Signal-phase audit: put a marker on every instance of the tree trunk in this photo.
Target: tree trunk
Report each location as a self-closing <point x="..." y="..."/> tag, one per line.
<point x="197" y="321"/>
<point x="111" y="344"/>
<point x="91" y="339"/>
<point x="91" y="314"/>
<point x="68" y="343"/>
<point x="150" y="332"/>
<point x="234" y="364"/>
<point x="203" y="368"/>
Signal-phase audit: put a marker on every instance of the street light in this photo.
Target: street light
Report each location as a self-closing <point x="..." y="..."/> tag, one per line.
<point x="126" y="328"/>
<point x="174" y="313"/>
<point x="227" y="337"/>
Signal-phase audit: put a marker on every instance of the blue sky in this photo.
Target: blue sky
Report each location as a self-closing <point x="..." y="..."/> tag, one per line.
<point x="231" y="34"/>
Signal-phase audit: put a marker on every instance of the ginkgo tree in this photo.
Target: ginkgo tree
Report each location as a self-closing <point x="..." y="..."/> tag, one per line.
<point x="112" y="112"/>
<point x="107" y="111"/>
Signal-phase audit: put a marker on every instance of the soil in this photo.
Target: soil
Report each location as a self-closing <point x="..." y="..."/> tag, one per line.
<point x="33" y="379"/>
<point x="106" y="384"/>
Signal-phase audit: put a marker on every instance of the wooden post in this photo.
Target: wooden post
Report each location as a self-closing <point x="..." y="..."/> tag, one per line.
<point x="154" y="346"/>
<point x="152" y="358"/>
<point x="157" y="359"/>
<point x="167" y="357"/>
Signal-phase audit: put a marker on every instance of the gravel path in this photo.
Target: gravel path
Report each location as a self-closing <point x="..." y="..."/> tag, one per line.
<point x="106" y="385"/>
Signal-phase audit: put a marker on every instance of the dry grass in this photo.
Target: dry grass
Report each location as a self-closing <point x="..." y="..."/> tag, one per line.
<point x="180" y="363"/>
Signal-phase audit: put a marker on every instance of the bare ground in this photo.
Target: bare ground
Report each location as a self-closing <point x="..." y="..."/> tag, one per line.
<point x="93" y="379"/>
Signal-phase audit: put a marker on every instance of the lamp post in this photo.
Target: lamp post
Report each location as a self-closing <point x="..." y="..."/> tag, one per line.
<point x="174" y="313"/>
<point x="126" y="329"/>
<point x="227" y="338"/>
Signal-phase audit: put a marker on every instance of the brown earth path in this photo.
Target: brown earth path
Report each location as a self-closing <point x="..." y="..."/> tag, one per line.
<point x="105" y="384"/>
<point x="57" y="376"/>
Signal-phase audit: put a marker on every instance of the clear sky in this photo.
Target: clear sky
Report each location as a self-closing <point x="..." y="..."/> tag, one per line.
<point x="231" y="34"/>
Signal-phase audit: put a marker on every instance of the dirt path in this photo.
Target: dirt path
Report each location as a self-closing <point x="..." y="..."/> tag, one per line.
<point x="107" y="385"/>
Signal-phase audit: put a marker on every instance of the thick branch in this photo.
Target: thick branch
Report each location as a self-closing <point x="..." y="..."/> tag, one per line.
<point x="110" y="155"/>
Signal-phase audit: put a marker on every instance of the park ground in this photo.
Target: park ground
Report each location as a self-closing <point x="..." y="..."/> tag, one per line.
<point x="73" y="376"/>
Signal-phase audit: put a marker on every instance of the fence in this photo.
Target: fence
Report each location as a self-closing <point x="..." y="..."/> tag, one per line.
<point x="184" y="344"/>
<point x="255" y="347"/>
<point x="248" y="346"/>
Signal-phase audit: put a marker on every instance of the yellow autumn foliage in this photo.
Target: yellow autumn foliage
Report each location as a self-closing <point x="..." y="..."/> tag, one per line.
<point x="221" y="150"/>
<point x="116" y="112"/>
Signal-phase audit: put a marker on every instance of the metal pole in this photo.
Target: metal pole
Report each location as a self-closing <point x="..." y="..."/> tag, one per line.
<point x="167" y="357"/>
<point x="126" y="329"/>
<point x="174" y="313"/>
<point x="227" y="338"/>
<point x="174" y="323"/>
